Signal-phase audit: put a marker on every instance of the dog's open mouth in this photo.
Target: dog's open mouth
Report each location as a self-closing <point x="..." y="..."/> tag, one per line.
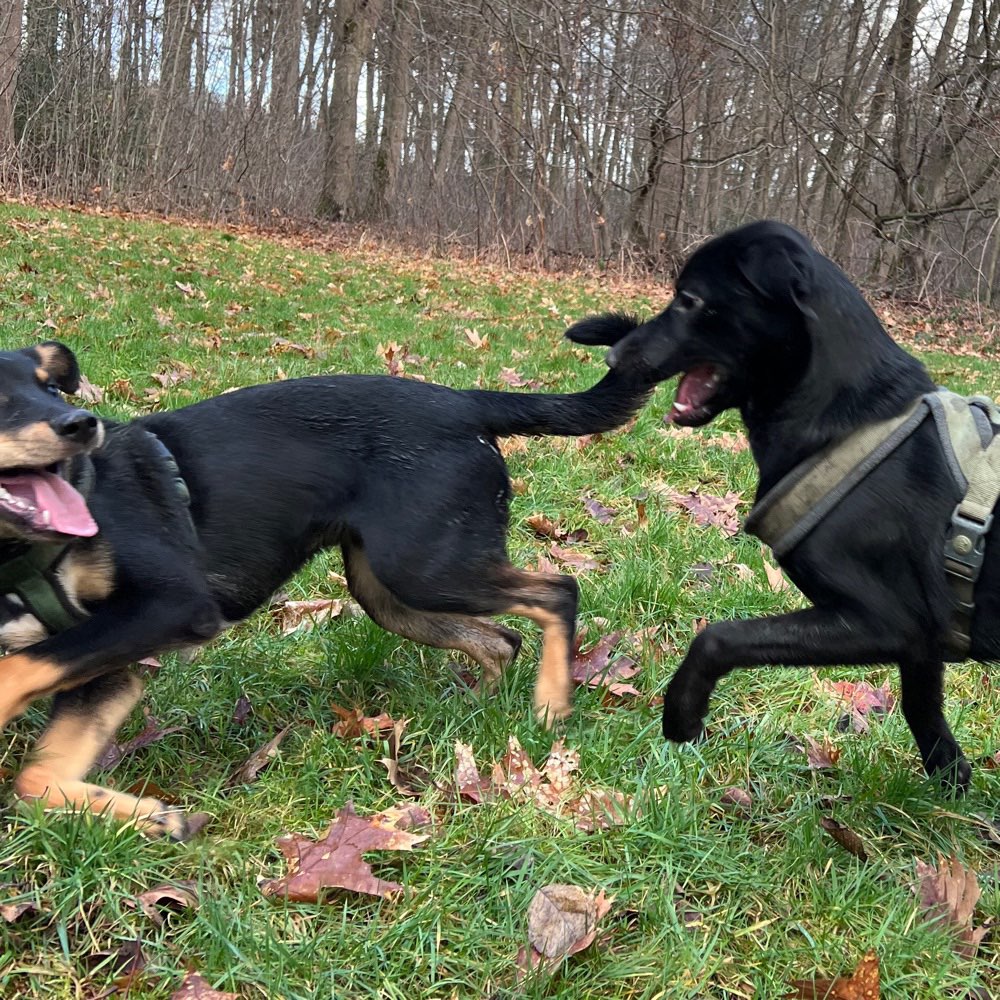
<point x="697" y="388"/>
<point x="40" y="501"/>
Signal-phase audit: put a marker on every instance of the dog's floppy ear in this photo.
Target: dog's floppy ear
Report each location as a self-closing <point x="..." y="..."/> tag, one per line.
<point x="779" y="270"/>
<point x="59" y="363"/>
<point x="606" y="329"/>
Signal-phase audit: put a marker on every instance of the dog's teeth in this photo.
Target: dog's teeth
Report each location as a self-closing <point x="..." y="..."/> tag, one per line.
<point x="681" y="407"/>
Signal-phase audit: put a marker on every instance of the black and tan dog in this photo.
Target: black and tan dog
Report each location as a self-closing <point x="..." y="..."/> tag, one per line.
<point x="764" y="323"/>
<point x="98" y="540"/>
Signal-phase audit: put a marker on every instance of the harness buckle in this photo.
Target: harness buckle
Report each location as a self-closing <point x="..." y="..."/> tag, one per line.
<point x="965" y="545"/>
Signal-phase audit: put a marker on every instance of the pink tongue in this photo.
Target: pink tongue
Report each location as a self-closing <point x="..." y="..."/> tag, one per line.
<point x="57" y="506"/>
<point x="697" y="386"/>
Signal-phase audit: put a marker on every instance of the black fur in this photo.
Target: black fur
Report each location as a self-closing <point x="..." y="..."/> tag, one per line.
<point x="406" y="477"/>
<point x="806" y="361"/>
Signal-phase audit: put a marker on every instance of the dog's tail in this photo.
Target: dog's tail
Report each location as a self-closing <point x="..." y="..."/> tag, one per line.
<point x="606" y="405"/>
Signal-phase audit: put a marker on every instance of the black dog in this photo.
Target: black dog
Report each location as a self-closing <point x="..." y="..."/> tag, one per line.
<point x="763" y="322"/>
<point x="119" y="540"/>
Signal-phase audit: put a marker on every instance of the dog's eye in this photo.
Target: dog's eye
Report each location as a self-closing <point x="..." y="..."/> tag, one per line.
<point x="686" y="301"/>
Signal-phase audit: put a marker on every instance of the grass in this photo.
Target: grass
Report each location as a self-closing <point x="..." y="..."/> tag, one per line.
<point x="777" y="898"/>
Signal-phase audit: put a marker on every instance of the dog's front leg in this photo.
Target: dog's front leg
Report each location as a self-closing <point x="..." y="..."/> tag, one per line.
<point x="813" y="637"/>
<point x="923" y="700"/>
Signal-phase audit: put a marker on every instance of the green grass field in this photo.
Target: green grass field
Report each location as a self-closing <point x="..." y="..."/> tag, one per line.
<point x="776" y="898"/>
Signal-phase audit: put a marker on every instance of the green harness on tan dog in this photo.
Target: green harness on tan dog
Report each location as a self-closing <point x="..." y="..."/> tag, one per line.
<point x="967" y="429"/>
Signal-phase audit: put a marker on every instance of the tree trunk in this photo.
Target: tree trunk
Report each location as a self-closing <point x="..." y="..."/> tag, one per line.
<point x="11" y="12"/>
<point x="353" y="24"/>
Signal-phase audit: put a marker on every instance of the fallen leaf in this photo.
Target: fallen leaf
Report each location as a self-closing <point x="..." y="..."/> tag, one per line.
<point x="115" y="752"/>
<point x="594" y="668"/>
<point x="707" y="510"/>
<point x="89" y="392"/>
<point x="257" y="761"/>
<point x="303" y="616"/>
<point x="862" y="984"/>
<point x="845" y="836"/>
<point x="282" y="346"/>
<point x="336" y="861"/>
<point x="578" y="560"/>
<point x="180" y="895"/>
<point x="11" y="913"/>
<point x="775" y="578"/>
<point x="354" y="723"/>
<point x="407" y="777"/>
<point x="949" y="893"/>
<point x="545" y="527"/>
<point x="513" y="378"/>
<point x="821" y="757"/>
<point x="195" y="987"/>
<point x="468" y="782"/>
<point x="562" y="920"/>
<point x="862" y="699"/>
<point x="478" y="342"/>
<point x="599" y="512"/>
<point x="242" y="710"/>
<point x="737" y="799"/>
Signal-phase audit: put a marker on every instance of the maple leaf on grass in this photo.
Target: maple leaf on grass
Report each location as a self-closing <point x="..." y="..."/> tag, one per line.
<point x="407" y="777"/>
<point x="196" y="987"/>
<point x="599" y="512"/>
<point x="707" y="510"/>
<point x="578" y="560"/>
<point x="12" y="913"/>
<point x="594" y="667"/>
<point x="545" y="527"/>
<point x="562" y="920"/>
<point x="948" y="894"/>
<point x="821" y="757"/>
<point x="336" y="861"/>
<point x="862" y="700"/>
<point x="862" y="984"/>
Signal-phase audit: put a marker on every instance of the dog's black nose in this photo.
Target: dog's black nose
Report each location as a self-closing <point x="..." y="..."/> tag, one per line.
<point x="78" y="426"/>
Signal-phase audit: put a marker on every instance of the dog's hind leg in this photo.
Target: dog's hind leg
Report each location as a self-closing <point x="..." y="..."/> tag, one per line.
<point x="922" y="683"/>
<point x="83" y="720"/>
<point x="490" y="645"/>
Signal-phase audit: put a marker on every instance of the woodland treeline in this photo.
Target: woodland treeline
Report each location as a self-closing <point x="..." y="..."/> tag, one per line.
<point x="626" y="131"/>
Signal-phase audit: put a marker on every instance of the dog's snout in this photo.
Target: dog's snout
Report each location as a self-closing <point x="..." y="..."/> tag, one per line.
<point x="78" y="426"/>
<point x="611" y="358"/>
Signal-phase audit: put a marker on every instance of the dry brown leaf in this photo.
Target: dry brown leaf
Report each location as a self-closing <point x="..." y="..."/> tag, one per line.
<point x="336" y="861"/>
<point x="949" y="893"/>
<point x="861" y="700"/>
<point x="302" y="616"/>
<point x="821" y="757"/>
<point x="595" y="668"/>
<point x="180" y="895"/>
<point x="562" y="920"/>
<point x="89" y="392"/>
<point x="11" y="913"/>
<point x="737" y="799"/>
<point x="257" y="761"/>
<point x="468" y="782"/>
<point x="706" y="510"/>
<point x="578" y="560"/>
<point x="862" y="984"/>
<point x="195" y="987"/>
<point x="845" y="836"/>
<point x="354" y="723"/>
<point x="408" y="778"/>
<point x="775" y="578"/>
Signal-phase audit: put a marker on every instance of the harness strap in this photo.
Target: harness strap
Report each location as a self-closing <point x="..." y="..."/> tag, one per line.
<point x="32" y="576"/>
<point x="810" y="491"/>
<point x="965" y="539"/>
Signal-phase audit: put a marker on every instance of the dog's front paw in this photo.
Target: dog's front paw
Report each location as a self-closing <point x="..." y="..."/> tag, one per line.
<point x="679" y="725"/>
<point x="954" y="776"/>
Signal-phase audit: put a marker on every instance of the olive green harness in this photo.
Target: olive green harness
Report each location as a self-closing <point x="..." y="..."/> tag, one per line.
<point x="966" y="428"/>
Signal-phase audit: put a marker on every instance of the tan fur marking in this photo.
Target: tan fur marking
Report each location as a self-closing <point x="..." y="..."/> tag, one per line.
<point x="34" y="445"/>
<point x="42" y="375"/>
<point x="553" y="688"/>
<point x="87" y="574"/>
<point x="52" y="361"/>
<point x="24" y="678"/>
<point x="72" y="742"/>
